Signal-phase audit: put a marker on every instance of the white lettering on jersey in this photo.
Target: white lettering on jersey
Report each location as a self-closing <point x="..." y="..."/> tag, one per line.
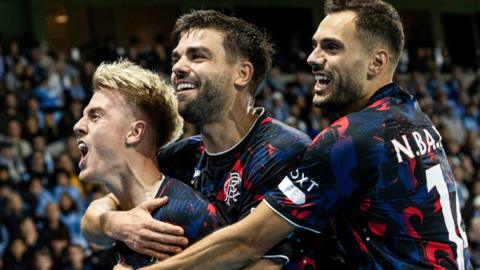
<point x="301" y="179"/>
<point x="424" y="142"/>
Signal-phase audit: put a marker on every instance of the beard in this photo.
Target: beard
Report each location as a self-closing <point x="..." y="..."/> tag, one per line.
<point x="345" y="93"/>
<point x="211" y="98"/>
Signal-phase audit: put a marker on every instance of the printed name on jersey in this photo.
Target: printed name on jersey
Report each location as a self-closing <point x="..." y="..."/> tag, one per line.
<point x="292" y="192"/>
<point x="424" y="141"/>
<point x="232" y="188"/>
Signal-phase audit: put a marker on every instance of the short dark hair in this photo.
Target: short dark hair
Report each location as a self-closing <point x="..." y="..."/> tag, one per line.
<point x="241" y="39"/>
<point x="377" y="22"/>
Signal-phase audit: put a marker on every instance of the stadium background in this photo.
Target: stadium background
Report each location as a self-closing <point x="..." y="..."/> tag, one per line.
<point x="49" y="49"/>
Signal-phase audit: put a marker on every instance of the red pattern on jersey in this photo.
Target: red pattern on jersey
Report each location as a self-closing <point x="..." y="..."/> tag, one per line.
<point x="408" y="213"/>
<point x="380" y="105"/>
<point x="431" y="252"/>
<point x="377" y="228"/>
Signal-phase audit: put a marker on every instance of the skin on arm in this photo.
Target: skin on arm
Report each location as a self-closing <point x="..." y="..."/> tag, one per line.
<point x="103" y="223"/>
<point x="90" y="224"/>
<point x="264" y="264"/>
<point x="235" y="246"/>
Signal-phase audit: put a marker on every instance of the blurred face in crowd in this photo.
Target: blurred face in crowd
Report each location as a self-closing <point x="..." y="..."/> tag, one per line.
<point x="201" y="75"/>
<point x="53" y="212"/>
<point x="338" y="62"/>
<point x="101" y="134"/>
<point x="43" y="261"/>
<point x="18" y="248"/>
<point x="15" y="203"/>
<point x="75" y="255"/>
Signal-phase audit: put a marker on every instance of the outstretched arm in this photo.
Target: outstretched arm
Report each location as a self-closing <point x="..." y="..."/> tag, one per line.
<point x="103" y="223"/>
<point x="235" y="246"/>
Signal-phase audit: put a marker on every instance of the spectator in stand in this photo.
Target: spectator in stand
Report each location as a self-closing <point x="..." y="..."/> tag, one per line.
<point x="31" y="129"/>
<point x="21" y="146"/>
<point x="76" y="258"/>
<point x="12" y="79"/>
<point x="58" y="248"/>
<point x="51" y="129"/>
<point x="38" y="169"/>
<point x="14" y="258"/>
<point x="29" y="233"/>
<point x="38" y="197"/>
<point x="9" y="112"/>
<point x="33" y="109"/>
<point x="51" y="225"/>
<point x="47" y="98"/>
<point x="76" y="90"/>
<point x="17" y="170"/>
<point x="71" y="215"/>
<point x="43" y="260"/>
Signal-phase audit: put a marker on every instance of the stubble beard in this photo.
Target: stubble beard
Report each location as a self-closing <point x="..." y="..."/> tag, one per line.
<point x="344" y="94"/>
<point x="211" y="98"/>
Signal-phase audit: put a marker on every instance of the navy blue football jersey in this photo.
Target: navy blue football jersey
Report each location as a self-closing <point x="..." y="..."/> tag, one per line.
<point x="185" y="208"/>
<point x="384" y="174"/>
<point x="236" y="180"/>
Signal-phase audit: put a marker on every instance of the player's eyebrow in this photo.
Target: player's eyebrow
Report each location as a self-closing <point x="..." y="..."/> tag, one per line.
<point x="91" y="110"/>
<point x="192" y="51"/>
<point x="327" y="41"/>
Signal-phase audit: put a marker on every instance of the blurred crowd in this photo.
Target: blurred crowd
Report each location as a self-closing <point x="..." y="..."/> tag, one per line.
<point x="43" y="93"/>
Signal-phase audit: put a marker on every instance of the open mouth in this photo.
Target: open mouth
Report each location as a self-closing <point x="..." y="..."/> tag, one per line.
<point x="323" y="79"/>
<point x="82" y="146"/>
<point x="322" y="82"/>
<point x="184" y="86"/>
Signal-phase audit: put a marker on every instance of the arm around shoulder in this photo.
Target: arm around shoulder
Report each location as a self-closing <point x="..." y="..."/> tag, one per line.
<point x="235" y="246"/>
<point x="92" y="224"/>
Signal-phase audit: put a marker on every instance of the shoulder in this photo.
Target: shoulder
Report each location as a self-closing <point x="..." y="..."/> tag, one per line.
<point x="353" y="132"/>
<point x="191" y="144"/>
<point x="280" y="135"/>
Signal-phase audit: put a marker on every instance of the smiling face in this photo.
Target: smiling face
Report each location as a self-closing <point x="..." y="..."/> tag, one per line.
<point x="101" y="134"/>
<point x="201" y="75"/>
<point x="338" y="62"/>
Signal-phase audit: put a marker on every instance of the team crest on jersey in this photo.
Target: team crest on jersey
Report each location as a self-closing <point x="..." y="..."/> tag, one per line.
<point x="232" y="188"/>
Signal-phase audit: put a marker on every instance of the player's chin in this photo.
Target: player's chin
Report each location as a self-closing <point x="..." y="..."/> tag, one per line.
<point x="85" y="176"/>
<point x="320" y="100"/>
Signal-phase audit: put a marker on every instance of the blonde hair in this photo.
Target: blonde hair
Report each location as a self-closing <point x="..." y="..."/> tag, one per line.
<point x="143" y="90"/>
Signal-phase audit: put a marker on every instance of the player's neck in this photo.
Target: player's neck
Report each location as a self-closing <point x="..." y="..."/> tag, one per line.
<point x="223" y="134"/>
<point x="139" y="181"/>
<point x="371" y="87"/>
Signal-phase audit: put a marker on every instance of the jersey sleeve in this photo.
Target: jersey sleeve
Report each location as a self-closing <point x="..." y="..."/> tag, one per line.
<point x="185" y="208"/>
<point x="264" y="171"/>
<point x="323" y="182"/>
<point x="268" y="166"/>
<point x="178" y="159"/>
<point x="188" y="209"/>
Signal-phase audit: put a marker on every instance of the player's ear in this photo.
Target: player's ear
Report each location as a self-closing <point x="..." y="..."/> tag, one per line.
<point x="378" y="63"/>
<point x="136" y="132"/>
<point x="244" y="74"/>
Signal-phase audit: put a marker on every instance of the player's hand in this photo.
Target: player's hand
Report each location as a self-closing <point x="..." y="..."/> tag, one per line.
<point x="144" y="234"/>
<point x="122" y="266"/>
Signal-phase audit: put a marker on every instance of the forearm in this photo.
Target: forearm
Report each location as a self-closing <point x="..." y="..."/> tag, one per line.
<point x="94" y="221"/>
<point x="264" y="264"/>
<point x="233" y="247"/>
<point x="212" y="254"/>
